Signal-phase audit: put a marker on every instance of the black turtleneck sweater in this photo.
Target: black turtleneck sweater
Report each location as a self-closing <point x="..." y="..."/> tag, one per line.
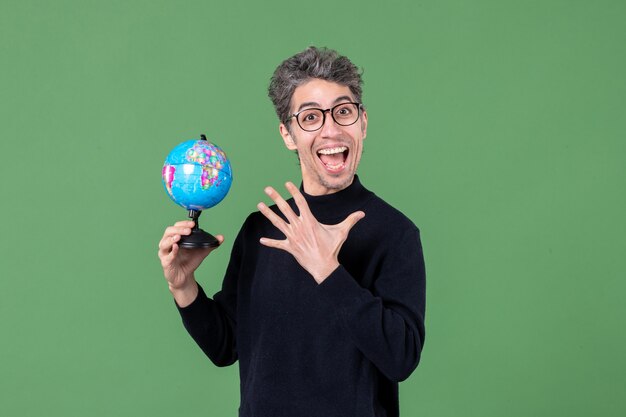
<point x="337" y="349"/>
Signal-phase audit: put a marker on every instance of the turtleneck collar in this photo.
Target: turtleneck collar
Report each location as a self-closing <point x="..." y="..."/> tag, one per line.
<point x="334" y="208"/>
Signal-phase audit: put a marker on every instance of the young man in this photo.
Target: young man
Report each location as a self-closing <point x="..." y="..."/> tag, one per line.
<point x="323" y="299"/>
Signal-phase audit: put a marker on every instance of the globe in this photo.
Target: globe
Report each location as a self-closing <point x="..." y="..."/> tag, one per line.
<point x="197" y="175"/>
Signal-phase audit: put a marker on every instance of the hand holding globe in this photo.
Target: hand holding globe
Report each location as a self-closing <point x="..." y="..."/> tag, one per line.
<point x="197" y="176"/>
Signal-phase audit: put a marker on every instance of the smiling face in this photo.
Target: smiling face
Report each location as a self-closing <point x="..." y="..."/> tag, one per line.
<point x="330" y="155"/>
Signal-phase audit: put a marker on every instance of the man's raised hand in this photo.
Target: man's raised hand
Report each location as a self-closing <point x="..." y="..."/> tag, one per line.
<point x="314" y="245"/>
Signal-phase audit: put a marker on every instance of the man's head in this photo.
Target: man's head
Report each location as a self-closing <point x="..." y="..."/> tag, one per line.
<point x="328" y="142"/>
<point x="322" y="63"/>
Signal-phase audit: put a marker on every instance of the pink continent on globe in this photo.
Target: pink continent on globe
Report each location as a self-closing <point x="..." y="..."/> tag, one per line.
<point x="168" y="177"/>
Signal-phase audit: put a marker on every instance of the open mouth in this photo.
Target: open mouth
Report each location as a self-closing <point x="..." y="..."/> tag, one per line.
<point x="334" y="159"/>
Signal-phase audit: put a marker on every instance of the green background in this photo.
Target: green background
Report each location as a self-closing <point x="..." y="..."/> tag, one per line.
<point x="497" y="126"/>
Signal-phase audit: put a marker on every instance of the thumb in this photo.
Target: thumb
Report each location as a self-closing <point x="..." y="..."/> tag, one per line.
<point x="198" y="255"/>
<point x="220" y="240"/>
<point x="351" y="220"/>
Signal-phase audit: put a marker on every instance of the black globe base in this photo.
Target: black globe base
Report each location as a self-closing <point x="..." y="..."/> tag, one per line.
<point x="198" y="239"/>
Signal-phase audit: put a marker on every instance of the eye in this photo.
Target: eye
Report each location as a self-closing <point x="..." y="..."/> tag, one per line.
<point x="310" y="116"/>
<point x="344" y="110"/>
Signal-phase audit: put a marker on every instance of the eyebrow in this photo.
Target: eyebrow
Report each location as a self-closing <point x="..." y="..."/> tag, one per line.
<point x="313" y="103"/>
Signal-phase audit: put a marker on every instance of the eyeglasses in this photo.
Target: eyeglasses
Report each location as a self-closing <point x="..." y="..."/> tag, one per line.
<point x="344" y="114"/>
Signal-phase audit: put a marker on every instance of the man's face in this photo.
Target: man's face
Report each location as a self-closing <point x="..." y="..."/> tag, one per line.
<point x="330" y="155"/>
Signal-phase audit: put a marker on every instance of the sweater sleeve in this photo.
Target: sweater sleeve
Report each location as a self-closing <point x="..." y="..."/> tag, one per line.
<point x="212" y="322"/>
<point x="386" y="323"/>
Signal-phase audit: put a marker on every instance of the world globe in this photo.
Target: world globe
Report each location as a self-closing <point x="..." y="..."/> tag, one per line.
<point x="197" y="174"/>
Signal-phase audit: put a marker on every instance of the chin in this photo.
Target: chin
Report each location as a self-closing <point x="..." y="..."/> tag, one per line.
<point x="336" y="183"/>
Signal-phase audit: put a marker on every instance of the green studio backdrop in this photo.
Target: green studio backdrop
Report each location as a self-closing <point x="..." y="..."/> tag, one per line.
<point x="496" y="126"/>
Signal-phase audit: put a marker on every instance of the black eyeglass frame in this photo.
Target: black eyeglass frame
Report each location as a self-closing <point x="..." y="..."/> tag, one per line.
<point x="359" y="107"/>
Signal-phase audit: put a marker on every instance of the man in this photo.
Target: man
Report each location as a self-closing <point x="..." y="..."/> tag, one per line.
<point x="323" y="299"/>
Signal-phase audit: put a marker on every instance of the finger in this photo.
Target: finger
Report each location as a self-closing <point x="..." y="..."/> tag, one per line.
<point x="167" y="260"/>
<point x="303" y="206"/>
<point x="177" y="230"/>
<point x="351" y="220"/>
<point x="165" y="244"/>
<point x="283" y="206"/>
<point x="273" y="243"/>
<point x="185" y="223"/>
<point x="273" y="217"/>
<point x="172" y="234"/>
<point x="174" y="252"/>
<point x="172" y="231"/>
<point x="220" y="240"/>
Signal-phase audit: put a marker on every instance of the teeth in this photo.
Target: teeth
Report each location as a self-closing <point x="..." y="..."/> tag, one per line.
<point x="331" y="151"/>
<point x="334" y="167"/>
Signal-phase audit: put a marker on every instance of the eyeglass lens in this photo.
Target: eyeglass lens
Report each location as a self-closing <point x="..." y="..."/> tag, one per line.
<point x="343" y="114"/>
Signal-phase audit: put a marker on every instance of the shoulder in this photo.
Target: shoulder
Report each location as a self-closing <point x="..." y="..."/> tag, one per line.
<point x="384" y="215"/>
<point x="257" y="225"/>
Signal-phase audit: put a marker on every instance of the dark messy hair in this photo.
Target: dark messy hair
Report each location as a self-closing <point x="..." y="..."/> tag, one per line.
<point x="323" y="63"/>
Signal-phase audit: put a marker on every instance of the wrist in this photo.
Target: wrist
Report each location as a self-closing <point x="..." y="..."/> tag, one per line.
<point x="324" y="272"/>
<point x="185" y="294"/>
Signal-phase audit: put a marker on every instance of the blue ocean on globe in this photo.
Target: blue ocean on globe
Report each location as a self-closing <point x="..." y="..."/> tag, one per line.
<point x="197" y="175"/>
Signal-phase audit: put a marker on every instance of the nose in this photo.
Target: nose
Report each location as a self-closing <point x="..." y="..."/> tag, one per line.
<point x="330" y="128"/>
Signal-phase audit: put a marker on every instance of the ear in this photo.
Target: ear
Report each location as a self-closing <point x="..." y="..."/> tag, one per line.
<point x="289" y="142"/>
<point x="364" y="124"/>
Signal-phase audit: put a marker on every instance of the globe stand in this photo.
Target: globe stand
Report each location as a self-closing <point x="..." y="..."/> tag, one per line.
<point x="198" y="239"/>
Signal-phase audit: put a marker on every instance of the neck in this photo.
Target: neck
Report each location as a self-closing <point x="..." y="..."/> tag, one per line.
<point x="332" y="208"/>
